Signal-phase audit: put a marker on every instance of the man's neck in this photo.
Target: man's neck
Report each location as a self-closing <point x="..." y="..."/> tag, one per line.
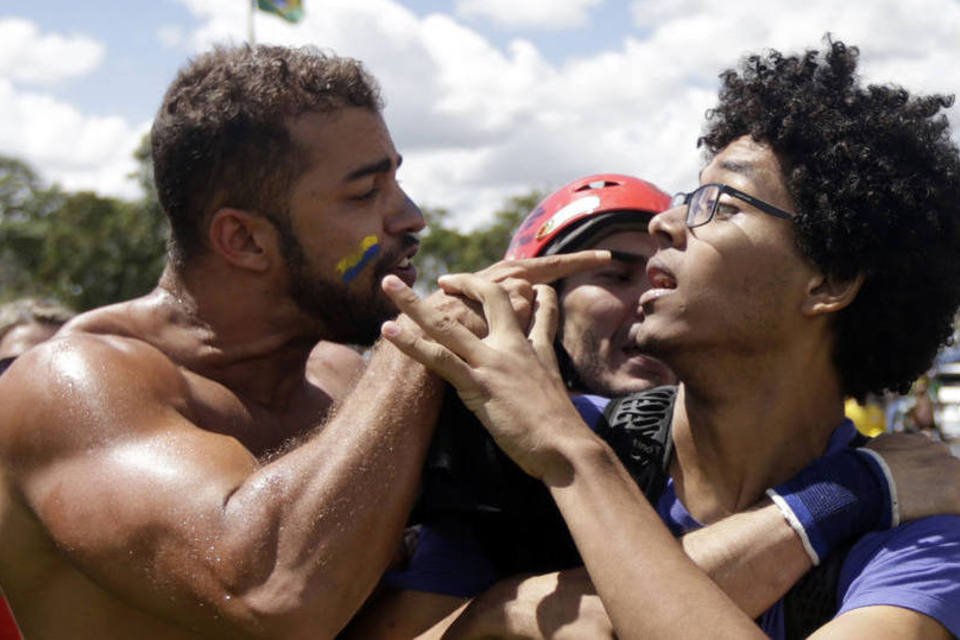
<point x="256" y="347"/>
<point x="737" y="435"/>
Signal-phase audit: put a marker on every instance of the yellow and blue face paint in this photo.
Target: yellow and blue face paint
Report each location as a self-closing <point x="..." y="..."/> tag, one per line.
<point x="351" y="266"/>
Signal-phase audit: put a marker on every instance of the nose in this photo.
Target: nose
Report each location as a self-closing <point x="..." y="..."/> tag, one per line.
<point x="668" y="228"/>
<point x="406" y="216"/>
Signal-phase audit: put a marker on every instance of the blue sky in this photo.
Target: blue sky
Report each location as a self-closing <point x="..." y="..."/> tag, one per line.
<point x="485" y="98"/>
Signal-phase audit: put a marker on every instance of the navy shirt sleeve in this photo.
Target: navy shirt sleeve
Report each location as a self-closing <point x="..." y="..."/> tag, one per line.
<point x="915" y="566"/>
<point x="448" y="560"/>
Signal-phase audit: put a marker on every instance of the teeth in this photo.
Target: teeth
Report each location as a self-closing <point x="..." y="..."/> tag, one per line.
<point x="662" y="281"/>
<point x="403" y="264"/>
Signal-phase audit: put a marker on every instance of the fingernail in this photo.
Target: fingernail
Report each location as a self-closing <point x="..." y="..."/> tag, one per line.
<point x="392" y="283"/>
<point x="390" y="329"/>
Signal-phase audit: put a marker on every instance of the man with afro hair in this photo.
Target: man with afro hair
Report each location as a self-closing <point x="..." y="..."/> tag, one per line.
<point x="816" y="260"/>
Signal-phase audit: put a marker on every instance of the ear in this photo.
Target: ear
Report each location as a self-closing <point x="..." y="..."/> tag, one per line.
<point x="242" y="238"/>
<point x="829" y="294"/>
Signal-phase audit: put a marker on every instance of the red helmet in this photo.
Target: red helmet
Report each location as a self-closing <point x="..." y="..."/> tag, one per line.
<point x="575" y="214"/>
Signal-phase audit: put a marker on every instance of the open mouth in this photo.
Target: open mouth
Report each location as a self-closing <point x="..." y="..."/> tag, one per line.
<point x="661" y="280"/>
<point x="404" y="268"/>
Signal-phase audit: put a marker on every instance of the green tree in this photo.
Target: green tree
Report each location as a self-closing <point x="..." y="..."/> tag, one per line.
<point x="24" y="204"/>
<point x="84" y="249"/>
<point x="100" y="250"/>
<point x="22" y="195"/>
<point x="444" y="249"/>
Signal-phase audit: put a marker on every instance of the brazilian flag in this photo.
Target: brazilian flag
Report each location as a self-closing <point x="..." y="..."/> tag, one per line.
<point x="289" y="10"/>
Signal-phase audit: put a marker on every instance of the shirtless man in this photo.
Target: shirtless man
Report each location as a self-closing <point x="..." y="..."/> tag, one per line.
<point x="771" y="282"/>
<point x="162" y="469"/>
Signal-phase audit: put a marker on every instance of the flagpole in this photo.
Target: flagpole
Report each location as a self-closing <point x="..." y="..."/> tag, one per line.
<point x="251" y="38"/>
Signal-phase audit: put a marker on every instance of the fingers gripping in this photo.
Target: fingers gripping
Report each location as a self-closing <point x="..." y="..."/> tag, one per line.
<point x="544" y="328"/>
<point x="435" y="357"/>
<point x="438" y="325"/>
<point x="504" y="327"/>
<point x="433" y="352"/>
<point x="520" y="293"/>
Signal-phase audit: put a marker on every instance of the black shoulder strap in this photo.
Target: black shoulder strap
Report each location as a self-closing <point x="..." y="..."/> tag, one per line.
<point x="637" y="427"/>
<point x="812" y="601"/>
<point x="468" y="478"/>
<point x="5" y="363"/>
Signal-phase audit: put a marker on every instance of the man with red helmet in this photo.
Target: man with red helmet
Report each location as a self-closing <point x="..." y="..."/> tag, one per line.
<point x="599" y="308"/>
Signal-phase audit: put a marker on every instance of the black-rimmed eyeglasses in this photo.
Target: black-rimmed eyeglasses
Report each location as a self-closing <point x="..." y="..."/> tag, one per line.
<point x="703" y="202"/>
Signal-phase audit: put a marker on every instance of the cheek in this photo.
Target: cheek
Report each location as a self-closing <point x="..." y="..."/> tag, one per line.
<point x="590" y="310"/>
<point x="358" y="259"/>
<point x="748" y="294"/>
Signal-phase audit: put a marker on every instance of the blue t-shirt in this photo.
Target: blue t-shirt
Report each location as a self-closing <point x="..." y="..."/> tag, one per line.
<point x="914" y="566"/>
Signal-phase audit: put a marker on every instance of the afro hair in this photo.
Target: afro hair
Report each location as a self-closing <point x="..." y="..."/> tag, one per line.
<point x="876" y="180"/>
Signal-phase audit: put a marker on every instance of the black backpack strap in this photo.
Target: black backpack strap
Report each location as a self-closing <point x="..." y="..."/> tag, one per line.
<point x="5" y="363"/>
<point x="468" y="478"/>
<point x="637" y="427"/>
<point x="812" y="601"/>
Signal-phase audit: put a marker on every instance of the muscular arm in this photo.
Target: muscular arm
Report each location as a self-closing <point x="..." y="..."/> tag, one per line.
<point x="120" y="456"/>
<point x="181" y="521"/>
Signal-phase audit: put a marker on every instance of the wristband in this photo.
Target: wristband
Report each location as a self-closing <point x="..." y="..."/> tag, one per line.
<point x="836" y="498"/>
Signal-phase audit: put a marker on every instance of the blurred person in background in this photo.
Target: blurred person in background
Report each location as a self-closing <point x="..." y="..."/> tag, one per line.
<point x="26" y="322"/>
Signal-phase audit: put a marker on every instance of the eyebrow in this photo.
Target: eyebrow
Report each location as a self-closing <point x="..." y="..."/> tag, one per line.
<point x="744" y="168"/>
<point x="380" y="166"/>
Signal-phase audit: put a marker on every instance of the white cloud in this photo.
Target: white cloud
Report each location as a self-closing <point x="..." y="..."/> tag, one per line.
<point x="64" y="145"/>
<point x="535" y="14"/>
<point x="77" y="151"/>
<point x="479" y="123"/>
<point x="636" y="106"/>
<point x="27" y="55"/>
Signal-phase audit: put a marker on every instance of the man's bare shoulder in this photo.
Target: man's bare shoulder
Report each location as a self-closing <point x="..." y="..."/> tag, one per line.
<point x="79" y="385"/>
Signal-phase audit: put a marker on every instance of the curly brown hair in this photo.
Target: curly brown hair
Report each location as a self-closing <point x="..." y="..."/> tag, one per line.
<point x="876" y="180"/>
<point x="220" y="136"/>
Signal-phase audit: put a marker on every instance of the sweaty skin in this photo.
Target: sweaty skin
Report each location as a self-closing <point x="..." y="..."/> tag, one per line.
<point x="190" y="463"/>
